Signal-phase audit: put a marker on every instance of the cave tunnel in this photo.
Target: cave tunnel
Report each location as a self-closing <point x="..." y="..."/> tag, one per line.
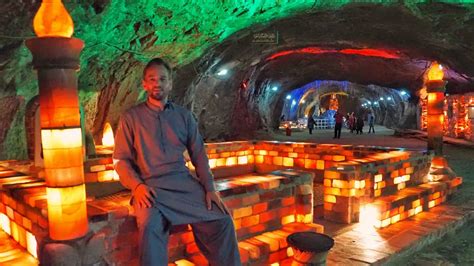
<point x="250" y="72"/>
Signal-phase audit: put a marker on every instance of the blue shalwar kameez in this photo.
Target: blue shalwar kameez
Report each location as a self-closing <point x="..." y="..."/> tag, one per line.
<point x="151" y="143"/>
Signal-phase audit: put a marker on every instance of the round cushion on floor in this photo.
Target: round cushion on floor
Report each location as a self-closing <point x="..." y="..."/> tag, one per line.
<point x="310" y="241"/>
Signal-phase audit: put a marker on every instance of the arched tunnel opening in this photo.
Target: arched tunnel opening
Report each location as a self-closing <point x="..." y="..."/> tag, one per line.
<point x="279" y="86"/>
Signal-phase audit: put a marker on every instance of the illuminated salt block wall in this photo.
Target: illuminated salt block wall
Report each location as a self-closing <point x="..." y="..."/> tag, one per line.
<point x="19" y="218"/>
<point x="411" y="201"/>
<point x="350" y="184"/>
<point x="456" y="122"/>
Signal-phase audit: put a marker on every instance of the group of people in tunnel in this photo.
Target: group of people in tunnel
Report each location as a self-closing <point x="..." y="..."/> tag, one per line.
<point x="352" y="121"/>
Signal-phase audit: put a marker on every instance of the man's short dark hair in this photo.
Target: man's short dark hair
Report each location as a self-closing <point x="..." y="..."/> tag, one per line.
<point x="157" y="61"/>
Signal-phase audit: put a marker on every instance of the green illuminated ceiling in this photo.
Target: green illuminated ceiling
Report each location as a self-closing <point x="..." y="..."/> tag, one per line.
<point x="179" y="29"/>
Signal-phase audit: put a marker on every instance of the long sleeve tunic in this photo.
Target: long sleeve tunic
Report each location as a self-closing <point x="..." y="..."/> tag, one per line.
<point x="149" y="145"/>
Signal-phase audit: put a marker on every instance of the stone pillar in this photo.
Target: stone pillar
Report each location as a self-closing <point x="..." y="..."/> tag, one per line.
<point x="435" y="89"/>
<point x="57" y="59"/>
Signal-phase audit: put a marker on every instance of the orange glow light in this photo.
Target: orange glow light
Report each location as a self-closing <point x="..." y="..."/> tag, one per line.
<point x="53" y="20"/>
<point x="31" y="244"/>
<point x="67" y="212"/>
<point x="435" y="72"/>
<point x="108" y="136"/>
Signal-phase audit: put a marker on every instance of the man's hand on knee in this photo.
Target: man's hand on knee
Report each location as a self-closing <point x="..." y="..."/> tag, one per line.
<point x="213" y="196"/>
<point x="144" y="195"/>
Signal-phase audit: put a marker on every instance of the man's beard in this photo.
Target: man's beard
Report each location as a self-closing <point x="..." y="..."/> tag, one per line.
<point x="159" y="96"/>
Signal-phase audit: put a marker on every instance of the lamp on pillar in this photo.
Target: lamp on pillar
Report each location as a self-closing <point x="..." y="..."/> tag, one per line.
<point x="435" y="87"/>
<point x="56" y="59"/>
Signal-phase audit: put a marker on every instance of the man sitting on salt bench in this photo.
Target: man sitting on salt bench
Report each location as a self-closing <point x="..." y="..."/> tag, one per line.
<point x="148" y="157"/>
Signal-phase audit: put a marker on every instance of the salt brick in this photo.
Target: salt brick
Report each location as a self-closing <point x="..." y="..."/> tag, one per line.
<point x="272" y="243"/>
<point x="250" y="220"/>
<point x="242" y="212"/>
<point x="267" y="216"/>
<point x="254" y="251"/>
<point x="259" y="208"/>
<point x="250" y="199"/>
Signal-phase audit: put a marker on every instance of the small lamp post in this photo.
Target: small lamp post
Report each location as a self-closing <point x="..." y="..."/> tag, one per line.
<point x="56" y="59"/>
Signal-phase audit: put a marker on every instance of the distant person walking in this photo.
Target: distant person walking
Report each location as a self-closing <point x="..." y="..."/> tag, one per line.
<point x="352" y="121"/>
<point x="371" y="122"/>
<point x="337" y="129"/>
<point x="310" y="124"/>
<point x="359" y="125"/>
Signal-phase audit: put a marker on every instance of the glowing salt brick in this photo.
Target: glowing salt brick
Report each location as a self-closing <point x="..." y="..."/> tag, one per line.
<point x="272" y="243"/>
<point x="224" y="154"/>
<point x="411" y="212"/>
<point x="260" y="207"/>
<point x="293" y="155"/>
<point x="397" y="180"/>
<point x="436" y="195"/>
<point x="406" y="178"/>
<point x="348" y="192"/>
<point x="320" y="164"/>
<point x="242" y="160"/>
<point x="275" y="264"/>
<point x="230" y="161"/>
<point x="184" y="262"/>
<point x="273" y="153"/>
<point x="263" y="152"/>
<point x="382" y="184"/>
<point x="288" y="219"/>
<point x="309" y="164"/>
<point x="242" y="212"/>
<point x="330" y="198"/>
<point x="327" y="183"/>
<point x="278" y="160"/>
<point x="378" y="178"/>
<point x="340" y="183"/>
<point x="385" y="222"/>
<point x="220" y="162"/>
<point x="394" y="174"/>
<point x="415" y="203"/>
<point x="259" y="159"/>
<point x="377" y="193"/>
<point x="338" y="158"/>
<point x="401" y="186"/>
<point x="289" y="252"/>
<point x="31" y="244"/>
<point x="331" y="175"/>
<point x="5" y="223"/>
<point x="105" y="176"/>
<point x="212" y="163"/>
<point x="409" y="170"/>
<point x="395" y="218"/>
<point x="22" y="236"/>
<point x="302" y="218"/>
<point x="116" y="176"/>
<point x="14" y="231"/>
<point x="418" y="209"/>
<point x="431" y="204"/>
<point x="357" y="184"/>
<point x="332" y="191"/>
<point x="376" y="186"/>
<point x="287" y="161"/>
<point x="250" y="220"/>
<point x="254" y="251"/>
<point x="250" y="159"/>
